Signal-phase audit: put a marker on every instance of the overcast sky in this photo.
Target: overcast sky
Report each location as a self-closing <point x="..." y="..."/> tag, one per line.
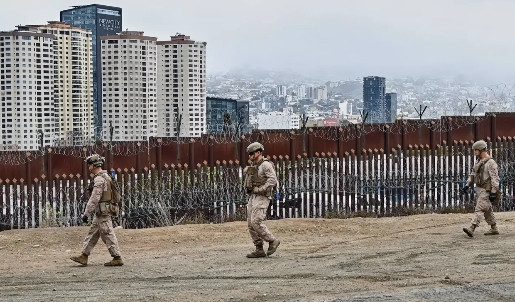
<point x="330" y="39"/>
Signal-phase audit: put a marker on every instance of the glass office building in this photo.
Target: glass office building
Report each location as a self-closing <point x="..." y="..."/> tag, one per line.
<point x="227" y="115"/>
<point x="374" y="99"/>
<point x="102" y="20"/>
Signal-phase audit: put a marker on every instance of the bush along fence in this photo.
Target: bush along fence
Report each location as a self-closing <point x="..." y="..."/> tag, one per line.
<point x="414" y="179"/>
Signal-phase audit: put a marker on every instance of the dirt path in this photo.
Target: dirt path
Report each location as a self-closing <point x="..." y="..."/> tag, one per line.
<point x="415" y="258"/>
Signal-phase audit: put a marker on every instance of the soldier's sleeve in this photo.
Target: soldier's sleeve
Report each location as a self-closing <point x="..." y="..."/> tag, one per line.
<point x="96" y="194"/>
<point x="493" y="171"/>
<point x="271" y="178"/>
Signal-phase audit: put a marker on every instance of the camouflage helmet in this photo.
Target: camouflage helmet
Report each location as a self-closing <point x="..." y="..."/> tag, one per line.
<point x="255" y="147"/>
<point x="95" y="160"/>
<point x="479" y="145"/>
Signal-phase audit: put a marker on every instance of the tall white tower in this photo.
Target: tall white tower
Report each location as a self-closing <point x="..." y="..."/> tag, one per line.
<point x="129" y="78"/>
<point x="181" y="93"/>
<point x="27" y="65"/>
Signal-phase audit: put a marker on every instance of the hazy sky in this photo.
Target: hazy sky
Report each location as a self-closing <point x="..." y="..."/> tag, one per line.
<point x="330" y="39"/>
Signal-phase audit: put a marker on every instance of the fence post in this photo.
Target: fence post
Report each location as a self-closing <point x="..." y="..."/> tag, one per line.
<point x="310" y="142"/>
<point x="237" y="148"/>
<point x="357" y="137"/>
<point x="340" y="143"/>
<point x="210" y="159"/>
<point x="243" y="151"/>
<point x="49" y="162"/>
<point x="403" y="136"/>
<point x="138" y="158"/>
<point x="432" y="135"/>
<point x="30" y="189"/>
<point x="449" y="130"/>
<point x="28" y="174"/>
<point x="159" y="157"/>
<point x="493" y="123"/>
<point x="387" y="138"/>
<point x="476" y="129"/>
<point x="292" y="145"/>
<point x="191" y="154"/>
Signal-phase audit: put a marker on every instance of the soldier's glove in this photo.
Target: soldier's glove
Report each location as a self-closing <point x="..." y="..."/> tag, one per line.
<point x="256" y="190"/>
<point x="465" y="190"/>
<point x="85" y="219"/>
<point x="492" y="196"/>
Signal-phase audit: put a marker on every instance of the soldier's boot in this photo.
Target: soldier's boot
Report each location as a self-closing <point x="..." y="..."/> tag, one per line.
<point x="117" y="261"/>
<point x="470" y="230"/>
<point x="258" y="253"/>
<point x="82" y="259"/>
<point x="493" y="230"/>
<point x="272" y="247"/>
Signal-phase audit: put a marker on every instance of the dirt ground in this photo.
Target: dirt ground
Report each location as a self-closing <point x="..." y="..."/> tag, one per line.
<point x="415" y="258"/>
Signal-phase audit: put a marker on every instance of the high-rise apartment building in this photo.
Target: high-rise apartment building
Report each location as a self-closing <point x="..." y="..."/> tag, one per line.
<point x="181" y="87"/>
<point x="310" y="92"/>
<point x="129" y="82"/>
<point x="281" y="90"/>
<point x="374" y="99"/>
<point x="320" y="93"/>
<point x="101" y="20"/>
<point x="301" y="92"/>
<point x="73" y="82"/>
<point x="27" y="77"/>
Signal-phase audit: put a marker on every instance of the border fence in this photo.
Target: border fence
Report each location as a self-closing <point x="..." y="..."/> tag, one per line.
<point x="409" y="179"/>
<point x="59" y="160"/>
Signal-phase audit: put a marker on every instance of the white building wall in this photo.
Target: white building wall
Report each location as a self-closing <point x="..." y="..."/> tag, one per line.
<point x="301" y="92"/>
<point x="129" y="80"/>
<point x="26" y="90"/>
<point x="277" y="121"/>
<point x="181" y="87"/>
<point x="281" y="90"/>
<point x="73" y="98"/>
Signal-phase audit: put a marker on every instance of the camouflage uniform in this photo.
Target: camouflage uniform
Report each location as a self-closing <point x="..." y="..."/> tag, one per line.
<point x="102" y="225"/>
<point x="489" y="172"/>
<point x="258" y="205"/>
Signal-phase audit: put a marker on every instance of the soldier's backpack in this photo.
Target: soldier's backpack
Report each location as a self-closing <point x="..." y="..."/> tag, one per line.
<point x="116" y="197"/>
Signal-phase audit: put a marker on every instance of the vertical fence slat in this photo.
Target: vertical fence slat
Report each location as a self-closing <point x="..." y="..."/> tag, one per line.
<point x="8" y="208"/>
<point x="335" y="184"/>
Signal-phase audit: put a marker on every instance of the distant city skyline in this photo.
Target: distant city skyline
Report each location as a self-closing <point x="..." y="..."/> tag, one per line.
<point x="331" y="40"/>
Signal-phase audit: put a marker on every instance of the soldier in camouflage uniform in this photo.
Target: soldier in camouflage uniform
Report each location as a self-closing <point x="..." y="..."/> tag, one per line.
<point x="485" y="176"/>
<point x="260" y="178"/>
<point x="102" y="225"/>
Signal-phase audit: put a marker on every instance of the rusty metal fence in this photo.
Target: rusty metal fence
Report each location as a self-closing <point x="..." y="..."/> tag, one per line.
<point x="413" y="179"/>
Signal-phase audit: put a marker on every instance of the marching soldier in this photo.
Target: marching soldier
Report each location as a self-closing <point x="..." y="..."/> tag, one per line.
<point x="485" y="176"/>
<point x="260" y="178"/>
<point x="102" y="225"/>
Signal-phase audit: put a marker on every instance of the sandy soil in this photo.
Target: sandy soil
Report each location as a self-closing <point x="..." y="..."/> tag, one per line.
<point x="415" y="258"/>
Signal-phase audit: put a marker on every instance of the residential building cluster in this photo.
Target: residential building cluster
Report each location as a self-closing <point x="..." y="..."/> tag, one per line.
<point x="349" y="101"/>
<point x="46" y="82"/>
<point x="80" y="79"/>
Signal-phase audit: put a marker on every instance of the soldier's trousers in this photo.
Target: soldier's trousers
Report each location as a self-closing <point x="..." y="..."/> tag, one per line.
<point x="483" y="207"/>
<point x="256" y="216"/>
<point x="101" y="227"/>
